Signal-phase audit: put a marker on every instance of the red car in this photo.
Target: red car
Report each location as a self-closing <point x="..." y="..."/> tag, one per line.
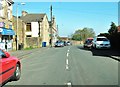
<point x="88" y="43"/>
<point x="10" y="68"/>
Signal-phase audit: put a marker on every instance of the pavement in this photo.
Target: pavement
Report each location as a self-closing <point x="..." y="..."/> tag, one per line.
<point x="22" y="53"/>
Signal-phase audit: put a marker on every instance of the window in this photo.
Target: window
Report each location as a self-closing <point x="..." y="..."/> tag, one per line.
<point x="10" y="26"/>
<point x="28" y="27"/>
<point x="1" y="12"/>
<point x="9" y="15"/>
<point x="28" y="35"/>
<point x="1" y="9"/>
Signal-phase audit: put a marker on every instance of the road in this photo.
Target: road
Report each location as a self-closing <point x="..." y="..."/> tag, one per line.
<point x="70" y="65"/>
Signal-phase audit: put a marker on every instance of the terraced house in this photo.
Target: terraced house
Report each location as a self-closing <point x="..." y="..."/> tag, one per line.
<point x="54" y="30"/>
<point x="18" y="40"/>
<point x="36" y="29"/>
<point x="6" y="29"/>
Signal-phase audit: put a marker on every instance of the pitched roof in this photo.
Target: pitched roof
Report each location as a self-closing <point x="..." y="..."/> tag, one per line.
<point x="32" y="18"/>
<point x="10" y="2"/>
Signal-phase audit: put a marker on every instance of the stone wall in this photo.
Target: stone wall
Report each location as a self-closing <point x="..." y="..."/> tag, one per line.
<point x="77" y="42"/>
<point x="20" y="32"/>
<point x="33" y="42"/>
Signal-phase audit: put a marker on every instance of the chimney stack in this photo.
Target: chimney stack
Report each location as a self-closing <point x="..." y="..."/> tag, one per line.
<point x="53" y="19"/>
<point x="24" y="13"/>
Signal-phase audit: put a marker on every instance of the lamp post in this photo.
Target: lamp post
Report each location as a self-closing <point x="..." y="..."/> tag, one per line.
<point x="17" y="25"/>
<point x="51" y="25"/>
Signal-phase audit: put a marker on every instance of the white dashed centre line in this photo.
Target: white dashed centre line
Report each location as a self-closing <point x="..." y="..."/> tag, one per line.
<point x="67" y="61"/>
<point x="67" y="54"/>
<point x="69" y="84"/>
<point x="68" y="50"/>
<point x="67" y="64"/>
<point x="67" y="67"/>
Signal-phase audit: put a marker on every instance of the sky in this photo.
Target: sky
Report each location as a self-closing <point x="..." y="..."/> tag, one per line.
<point x="71" y="16"/>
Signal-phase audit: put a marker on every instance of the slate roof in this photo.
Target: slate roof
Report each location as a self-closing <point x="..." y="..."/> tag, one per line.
<point x="10" y="2"/>
<point x="32" y="18"/>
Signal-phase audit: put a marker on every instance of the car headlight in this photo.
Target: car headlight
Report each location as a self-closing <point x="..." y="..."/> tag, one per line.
<point x="97" y="44"/>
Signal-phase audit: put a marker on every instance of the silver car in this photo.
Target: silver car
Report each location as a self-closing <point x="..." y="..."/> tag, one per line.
<point x="101" y="42"/>
<point x="59" y="44"/>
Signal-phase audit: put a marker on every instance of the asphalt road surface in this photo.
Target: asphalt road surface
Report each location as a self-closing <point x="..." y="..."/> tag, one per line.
<point x="70" y="65"/>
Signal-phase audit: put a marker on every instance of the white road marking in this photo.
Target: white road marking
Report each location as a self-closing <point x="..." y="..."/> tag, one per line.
<point x="115" y="57"/>
<point x="67" y="67"/>
<point x="68" y="50"/>
<point x="69" y="84"/>
<point x="67" y="54"/>
<point x="67" y="61"/>
<point x="67" y="64"/>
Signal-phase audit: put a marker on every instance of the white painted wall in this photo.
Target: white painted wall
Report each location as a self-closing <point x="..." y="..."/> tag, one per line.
<point x="28" y="33"/>
<point x="35" y="28"/>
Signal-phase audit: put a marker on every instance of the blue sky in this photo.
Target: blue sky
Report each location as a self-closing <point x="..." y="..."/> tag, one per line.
<point x="71" y="16"/>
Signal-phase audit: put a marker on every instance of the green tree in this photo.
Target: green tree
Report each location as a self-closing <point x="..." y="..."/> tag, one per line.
<point x="83" y="34"/>
<point x="114" y="36"/>
<point x="113" y="28"/>
<point x="76" y="37"/>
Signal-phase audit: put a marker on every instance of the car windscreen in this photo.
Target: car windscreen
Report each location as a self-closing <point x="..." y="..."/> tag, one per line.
<point x="59" y="42"/>
<point x="89" y="41"/>
<point x="102" y="39"/>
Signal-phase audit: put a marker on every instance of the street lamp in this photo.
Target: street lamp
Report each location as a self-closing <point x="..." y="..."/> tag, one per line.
<point x="51" y="26"/>
<point x="17" y="25"/>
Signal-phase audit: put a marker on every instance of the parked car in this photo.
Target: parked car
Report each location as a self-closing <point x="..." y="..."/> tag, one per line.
<point x="10" y="68"/>
<point x="65" y="43"/>
<point x="101" y="42"/>
<point x="69" y="43"/>
<point x="59" y="44"/>
<point x="88" y="43"/>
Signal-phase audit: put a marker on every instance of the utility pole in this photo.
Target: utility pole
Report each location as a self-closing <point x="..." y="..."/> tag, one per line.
<point x="39" y="28"/>
<point x="57" y="32"/>
<point x="119" y="12"/>
<point x="17" y="28"/>
<point x="51" y="26"/>
<point x="17" y="25"/>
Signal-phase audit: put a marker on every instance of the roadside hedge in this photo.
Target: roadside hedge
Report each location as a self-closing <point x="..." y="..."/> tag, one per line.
<point x="115" y="40"/>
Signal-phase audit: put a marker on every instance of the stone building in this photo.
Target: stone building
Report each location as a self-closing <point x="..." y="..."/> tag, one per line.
<point x="6" y="28"/>
<point x="54" y="34"/>
<point x="54" y="30"/>
<point x="36" y="29"/>
<point x="20" y="35"/>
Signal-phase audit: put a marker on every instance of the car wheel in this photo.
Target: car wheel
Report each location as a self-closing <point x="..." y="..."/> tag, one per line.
<point x="92" y="47"/>
<point x="17" y="73"/>
<point x="84" y="46"/>
<point x="95" y="47"/>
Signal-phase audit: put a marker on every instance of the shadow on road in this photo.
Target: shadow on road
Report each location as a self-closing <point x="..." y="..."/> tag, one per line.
<point x="114" y="54"/>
